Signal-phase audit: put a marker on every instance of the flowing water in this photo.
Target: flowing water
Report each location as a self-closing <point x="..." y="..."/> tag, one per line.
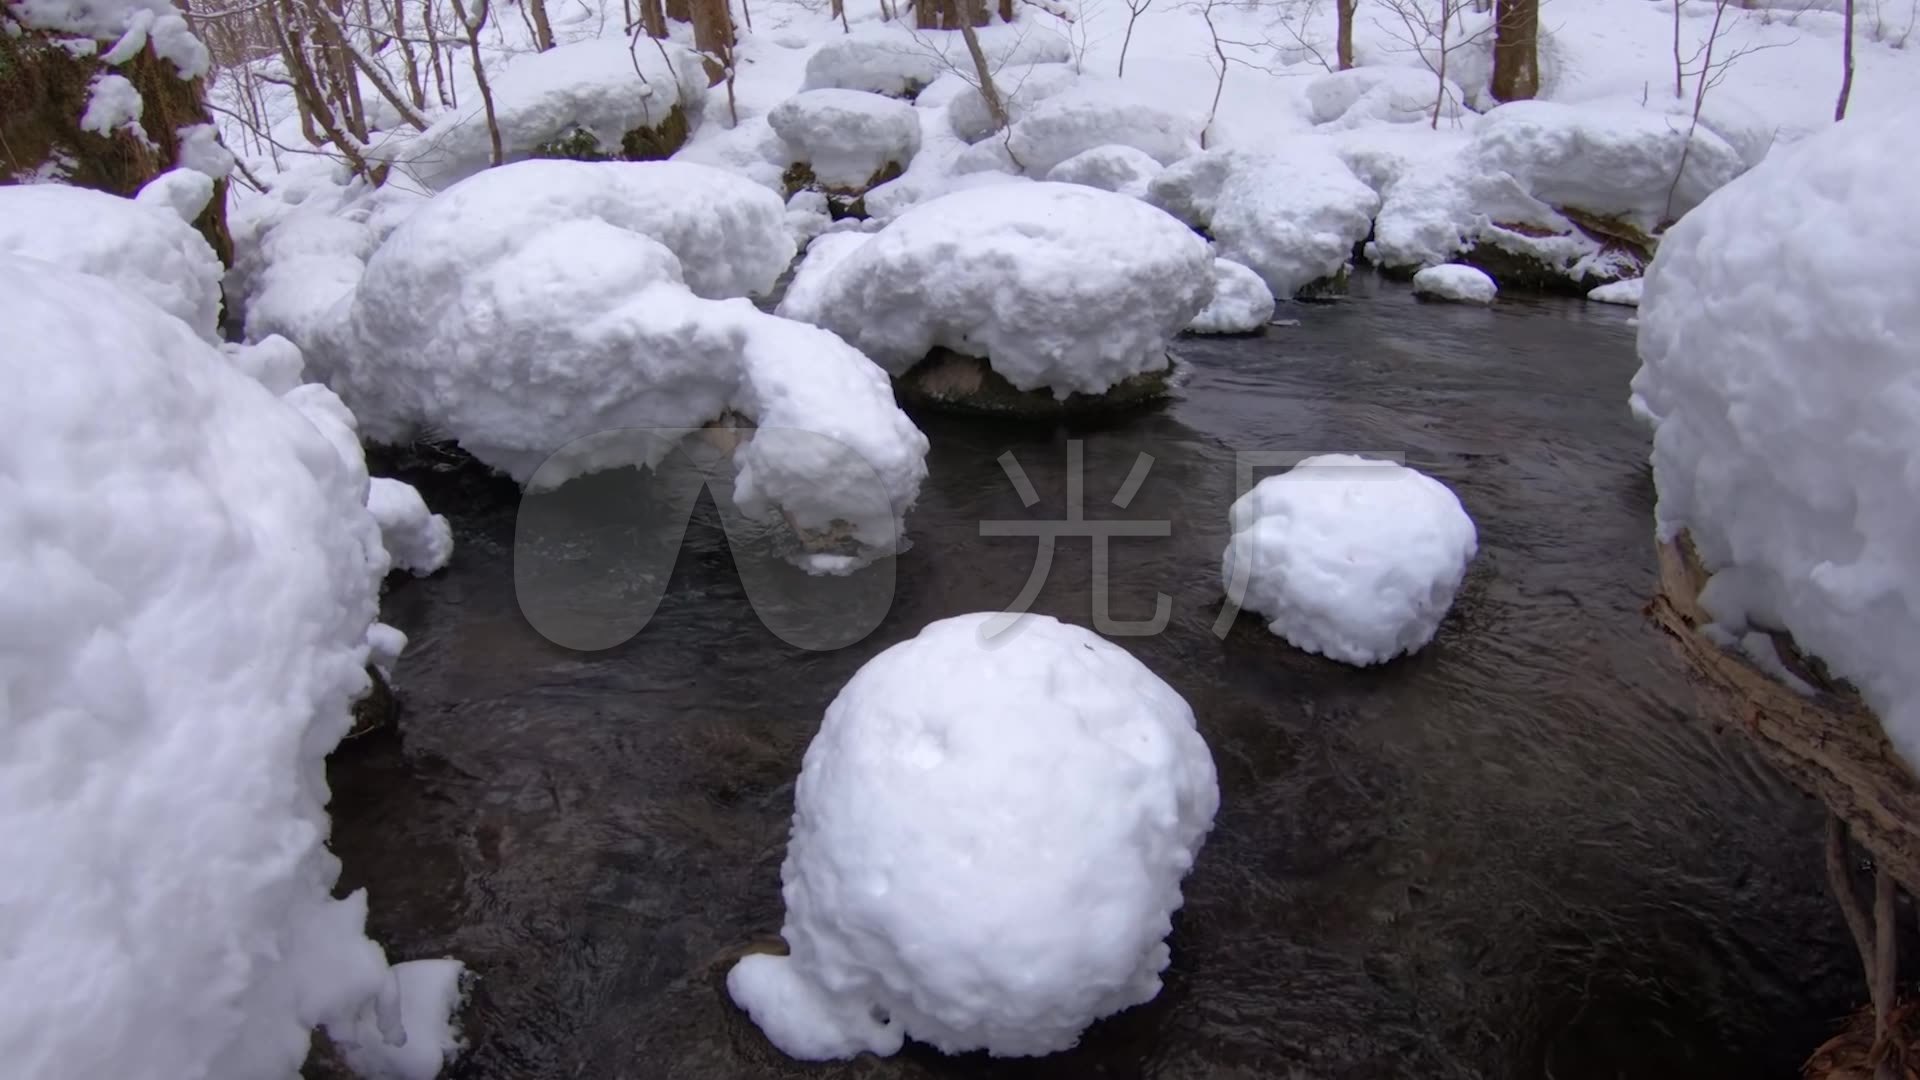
<point x="1516" y="854"/>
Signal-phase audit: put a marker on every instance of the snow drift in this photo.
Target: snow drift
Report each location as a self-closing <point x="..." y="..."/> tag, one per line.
<point x="1776" y="340"/>
<point x="992" y="865"/>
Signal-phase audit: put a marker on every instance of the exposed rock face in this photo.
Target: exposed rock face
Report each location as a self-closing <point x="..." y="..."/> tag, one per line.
<point x="842" y="202"/>
<point x="46" y="88"/>
<point x="656" y="143"/>
<point x="949" y="382"/>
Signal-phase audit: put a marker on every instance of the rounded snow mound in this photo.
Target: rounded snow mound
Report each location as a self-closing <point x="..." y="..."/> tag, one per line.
<point x="1109" y="168"/>
<point x="990" y="866"/>
<point x="204" y="577"/>
<point x="1390" y="95"/>
<point x="1096" y="112"/>
<point x="1355" y="559"/>
<point x="1292" y="214"/>
<point x="846" y="136"/>
<point x="1625" y="293"/>
<point x="1776" y="342"/>
<point x="1241" y="303"/>
<point x="1058" y="286"/>
<point x="605" y="87"/>
<point x="536" y="309"/>
<point x="1020" y="90"/>
<point x="1452" y="281"/>
<point x="145" y="249"/>
<point x="893" y="60"/>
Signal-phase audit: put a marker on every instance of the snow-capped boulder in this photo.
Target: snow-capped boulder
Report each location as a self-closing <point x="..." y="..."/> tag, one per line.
<point x="596" y="99"/>
<point x="184" y="193"/>
<point x="1097" y="112"/>
<point x="1058" y="287"/>
<point x="1626" y="293"/>
<point x="1456" y="283"/>
<point x="532" y="309"/>
<point x="1355" y="559"/>
<point x="1607" y="161"/>
<point x="1776" y="342"/>
<point x="1109" y="168"/>
<point x="1241" y="303"/>
<point x="1391" y="95"/>
<point x="1021" y="88"/>
<point x="418" y="540"/>
<point x="195" y="584"/>
<point x="893" y="60"/>
<point x="751" y="148"/>
<point x="847" y="139"/>
<point x="147" y="250"/>
<point x="1031" y="822"/>
<point x="1292" y="215"/>
<point x="1190" y="189"/>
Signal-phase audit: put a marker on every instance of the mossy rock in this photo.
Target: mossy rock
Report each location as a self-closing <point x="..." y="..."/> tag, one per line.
<point x="949" y="382"/>
<point x="45" y="89"/>
<point x="1331" y="287"/>
<point x="842" y="203"/>
<point x="641" y="144"/>
<point x="1626" y="248"/>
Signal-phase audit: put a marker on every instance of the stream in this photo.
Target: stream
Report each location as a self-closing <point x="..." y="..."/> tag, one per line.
<point x="1515" y="854"/>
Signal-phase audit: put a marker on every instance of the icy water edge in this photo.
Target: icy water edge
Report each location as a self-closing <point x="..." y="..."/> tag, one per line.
<point x="1515" y="854"/>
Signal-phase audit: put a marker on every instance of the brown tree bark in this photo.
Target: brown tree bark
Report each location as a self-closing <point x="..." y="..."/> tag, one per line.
<point x="1006" y="11"/>
<point x="653" y="16"/>
<point x="542" y="29"/>
<point x="713" y="36"/>
<point x="1846" y="64"/>
<point x="1516" y="54"/>
<point x="680" y="10"/>
<point x="1343" y="43"/>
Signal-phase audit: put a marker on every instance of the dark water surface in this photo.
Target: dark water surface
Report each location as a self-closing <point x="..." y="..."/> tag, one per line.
<point x="1512" y="855"/>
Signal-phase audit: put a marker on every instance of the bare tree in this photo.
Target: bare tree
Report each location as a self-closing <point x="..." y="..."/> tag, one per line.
<point x="542" y="29"/>
<point x="1516" y="50"/>
<point x="1426" y="31"/>
<point x="713" y="38"/>
<point x="473" y="27"/>
<point x="1846" y="67"/>
<point x="989" y="93"/>
<point x="1343" y="47"/>
<point x="1135" y="9"/>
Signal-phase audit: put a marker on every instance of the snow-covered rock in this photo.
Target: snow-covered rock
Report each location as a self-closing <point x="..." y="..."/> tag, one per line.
<point x="1292" y="215"/>
<point x="1392" y="95"/>
<point x="1355" y="559"/>
<point x="993" y="865"/>
<point x="895" y="60"/>
<point x="182" y="192"/>
<point x="193" y="582"/>
<point x="1609" y="161"/>
<point x="751" y="148"/>
<point x="1452" y="281"/>
<point x="533" y="309"/>
<point x="146" y="249"/>
<point x="1619" y="292"/>
<point x="604" y="87"/>
<point x="846" y="137"/>
<point x="1109" y="168"/>
<point x="418" y="540"/>
<point x="1100" y="112"/>
<point x="1021" y="88"/>
<point x="1776" y="338"/>
<point x="1241" y="303"/>
<point x="1190" y="189"/>
<point x="1063" y="288"/>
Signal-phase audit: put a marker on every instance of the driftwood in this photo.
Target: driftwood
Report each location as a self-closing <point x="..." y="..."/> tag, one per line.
<point x="1830" y="745"/>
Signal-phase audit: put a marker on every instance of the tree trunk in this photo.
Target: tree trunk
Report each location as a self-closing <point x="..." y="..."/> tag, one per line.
<point x="1516" y="61"/>
<point x="680" y="10"/>
<point x="1006" y="11"/>
<point x="926" y="14"/>
<point x="1343" y="44"/>
<point x="1846" y="62"/>
<point x="654" y="17"/>
<point x="713" y="36"/>
<point x="969" y="11"/>
<point x="542" y="29"/>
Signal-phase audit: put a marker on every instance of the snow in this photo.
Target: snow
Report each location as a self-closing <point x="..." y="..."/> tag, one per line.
<point x="1109" y="168"/>
<point x="1059" y="286"/>
<point x="1020" y="90"/>
<point x="147" y="250"/>
<point x="1393" y="95"/>
<point x="273" y="362"/>
<point x="603" y="86"/>
<point x="751" y="149"/>
<point x="1292" y="215"/>
<point x="1776" y="338"/>
<point x="899" y="61"/>
<point x="533" y="309"/>
<point x="991" y="865"/>
<point x="1241" y="303"/>
<point x="418" y="540"/>
<point x="816" y="267"/>
<point x="1619" y="292"/>
<point x="184" y="193"/>
<point x="131" y="25"/>
<point x="200" y="150"/>
<point x="1097" y="112"/>
<point x="112" y="103"/>
<point x="1452" y="281"/>
<point x="1355" y="559"/>
<point x="191" y="581"/>
<point x="846" y="136"/>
